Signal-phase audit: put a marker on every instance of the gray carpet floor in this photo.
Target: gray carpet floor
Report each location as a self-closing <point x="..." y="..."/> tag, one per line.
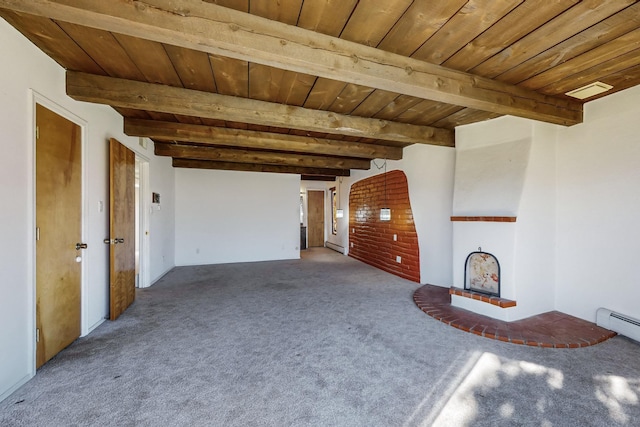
<point x="321" y="341"/>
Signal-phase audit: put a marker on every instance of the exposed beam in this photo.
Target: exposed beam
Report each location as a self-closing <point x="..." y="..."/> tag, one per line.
<point x="180" y="132"/>
<point x="174" y="100"/>
<point x="251" y="167"/>
<point x="259" y="157"/>
<point x="317" y="178"/>
<point x="207" y="27"/>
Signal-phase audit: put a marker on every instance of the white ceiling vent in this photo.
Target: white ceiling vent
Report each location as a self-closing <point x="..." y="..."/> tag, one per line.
<point x="589" y="90"/>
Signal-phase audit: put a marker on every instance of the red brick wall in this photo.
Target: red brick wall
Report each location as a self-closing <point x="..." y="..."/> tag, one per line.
<point x="371" y="240"/>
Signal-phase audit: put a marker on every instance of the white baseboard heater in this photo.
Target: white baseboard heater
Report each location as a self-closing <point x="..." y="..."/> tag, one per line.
<point x="335" y="247"/>
<point x="624" y="325"/>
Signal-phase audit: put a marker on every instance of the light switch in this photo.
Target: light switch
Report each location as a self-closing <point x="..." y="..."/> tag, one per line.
<point x="398" y="259"/>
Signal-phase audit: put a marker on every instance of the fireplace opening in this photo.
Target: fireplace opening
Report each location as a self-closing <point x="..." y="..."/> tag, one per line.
<point x="482" y="273"/>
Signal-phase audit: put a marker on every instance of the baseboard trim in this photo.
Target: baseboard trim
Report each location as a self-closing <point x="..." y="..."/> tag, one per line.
<point x="94" y="326"/>
<point x="154" y="281"/>
<point x="15" y="387"/>
<point x="335" y="247"/>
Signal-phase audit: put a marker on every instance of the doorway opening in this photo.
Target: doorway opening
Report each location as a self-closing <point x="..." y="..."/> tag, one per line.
<point x="142" y="213"/>
<point x="315" y="218"/>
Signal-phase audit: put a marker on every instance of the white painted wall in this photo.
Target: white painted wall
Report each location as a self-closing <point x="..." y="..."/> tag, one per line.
<point x="228" y="216"/>
<point x="30" y="69"/>
<point x="535" y="254"/>
<point x="598" y="200"/>
<point x="429" y="170"/>
<point x="489" y="179"/>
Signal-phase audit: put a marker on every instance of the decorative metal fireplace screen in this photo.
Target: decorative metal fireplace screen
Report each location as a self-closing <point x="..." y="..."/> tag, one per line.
<point x="482" y="273"/>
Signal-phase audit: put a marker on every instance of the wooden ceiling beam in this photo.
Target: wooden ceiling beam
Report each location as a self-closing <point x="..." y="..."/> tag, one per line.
<point x="166" y="99"/>
<point x="252" y="167"/>
<point x="258" y="157"/>
<point x="216" y="136"/>
<point x="207" y="27"/>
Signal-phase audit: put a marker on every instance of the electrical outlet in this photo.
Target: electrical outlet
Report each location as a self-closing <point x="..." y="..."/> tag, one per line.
<point x="395" y="237"/>
<point x="351" y="244"/>
<point x="398" y="259"/>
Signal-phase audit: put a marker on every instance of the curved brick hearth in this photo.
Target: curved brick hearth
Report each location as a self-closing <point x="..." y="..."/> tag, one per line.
<point x="552" y="329"/>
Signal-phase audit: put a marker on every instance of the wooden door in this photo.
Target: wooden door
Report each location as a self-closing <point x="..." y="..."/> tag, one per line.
<point x="315" y="218"/>
<point x="59" y="229"/>
<point x="122" y="265"/>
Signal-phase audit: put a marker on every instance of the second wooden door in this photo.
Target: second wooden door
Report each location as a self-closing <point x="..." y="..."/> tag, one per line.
<point x="315" y="218"/>
<point x="122" y="266"/>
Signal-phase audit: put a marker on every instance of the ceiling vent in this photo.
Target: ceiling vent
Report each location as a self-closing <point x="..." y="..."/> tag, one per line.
<point x="589" y="90"/>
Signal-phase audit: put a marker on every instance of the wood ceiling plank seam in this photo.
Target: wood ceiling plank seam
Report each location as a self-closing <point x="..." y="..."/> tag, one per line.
<point x="399" y="105"/>
<point x="59" y="24"/>
<point x="193" y="68"/>
<point x="298" y="91"/>
<point x="371" y="20"/>
<point x="96" y="42"/>
<point x="592" y="58"/>
<point x="262" y="82"/>
<point x="349" y="98"/>
<point x="471" y="21"/>
<point x="231" y="75"/>
<point x="364" y="110"/>
<point x="438" y="113"/>
<point x="464" y="116"/>
<point x="415" y="112"/>
<point x="602" y="32"/>
<point x="425" y="80"/>
<point x="156" y="66"/>
<point x="569" y="23"/>
<point x="209" y="57"/>
<point x="151" y="59"/>
<point x="98" y="68"/>
<point x="324" y="92"/>
<point x="334" y="28"/>
<point x="45" y="39"/>
<point x="416" y="26"/>
<point x="316" y="20"/>
<point x="518" y="23"/>
<point x="579" y="79"/>
<point x="285" y="11"/>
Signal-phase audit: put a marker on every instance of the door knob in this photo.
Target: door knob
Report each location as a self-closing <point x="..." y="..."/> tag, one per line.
<point x="81" y="246"/>
<point x="114" y="241"/>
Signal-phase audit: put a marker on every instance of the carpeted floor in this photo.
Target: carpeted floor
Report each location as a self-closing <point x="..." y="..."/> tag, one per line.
<point x="322" y="341"/>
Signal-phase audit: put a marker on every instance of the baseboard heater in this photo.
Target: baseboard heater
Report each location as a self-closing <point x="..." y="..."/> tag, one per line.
<point x="624" y="325"/>
<point x="335" y="247"/>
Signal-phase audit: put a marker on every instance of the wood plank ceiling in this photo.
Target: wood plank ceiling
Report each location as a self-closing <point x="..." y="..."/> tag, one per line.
<point x="319" y="87"/>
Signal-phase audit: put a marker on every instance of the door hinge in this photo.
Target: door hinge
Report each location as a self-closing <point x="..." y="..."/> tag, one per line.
<point x="37" y="132"/>
<point x="37" y="334"/>
<point x="37" y="233"/>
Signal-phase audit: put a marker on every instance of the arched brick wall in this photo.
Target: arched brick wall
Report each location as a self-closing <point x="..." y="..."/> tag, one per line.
<point x="371" y="240"/>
